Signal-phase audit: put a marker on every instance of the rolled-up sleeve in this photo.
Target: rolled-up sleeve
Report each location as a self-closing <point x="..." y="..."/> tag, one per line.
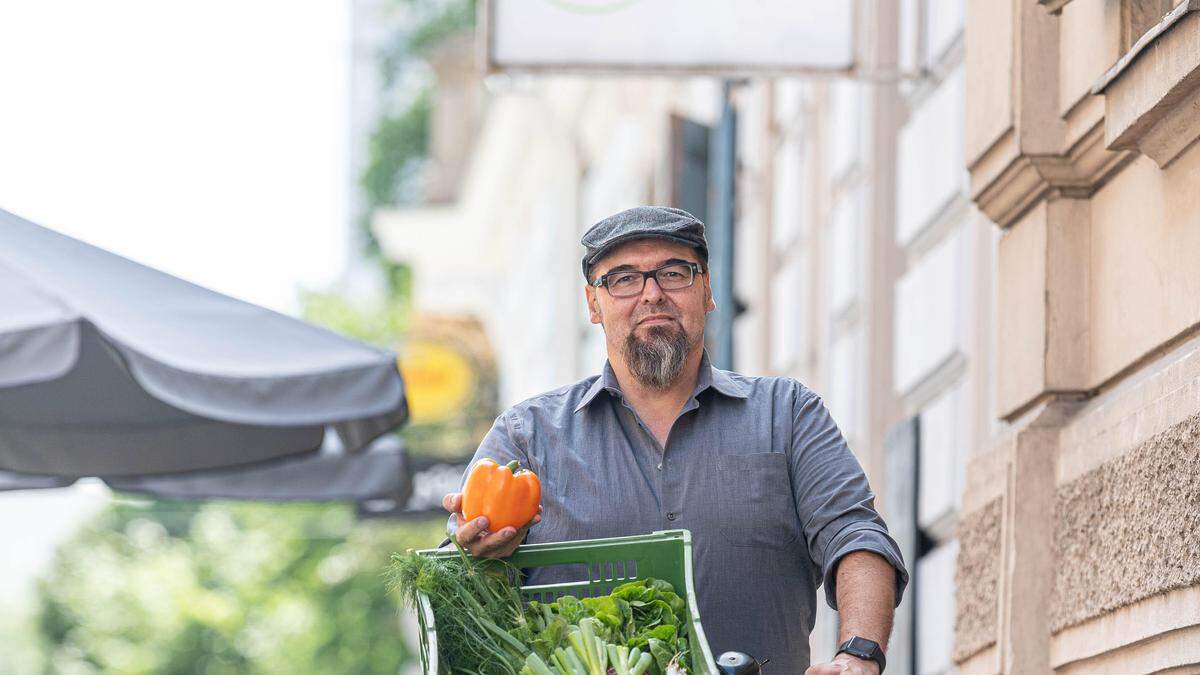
<point x="833" y="499"/>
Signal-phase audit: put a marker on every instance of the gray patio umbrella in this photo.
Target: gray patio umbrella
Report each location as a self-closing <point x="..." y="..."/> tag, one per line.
<point x="110" y="368"/>
<point x="380" y="471"/>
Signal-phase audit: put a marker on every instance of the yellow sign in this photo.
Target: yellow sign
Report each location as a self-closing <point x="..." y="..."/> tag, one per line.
<point x="437" y="380"/>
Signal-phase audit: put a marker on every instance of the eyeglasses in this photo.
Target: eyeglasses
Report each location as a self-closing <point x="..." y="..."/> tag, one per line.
<point x="628" y="283"/>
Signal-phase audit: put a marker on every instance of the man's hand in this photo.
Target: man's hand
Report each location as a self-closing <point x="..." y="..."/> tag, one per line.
<point x="844" y="664"/>
<point x="474" y="536"/>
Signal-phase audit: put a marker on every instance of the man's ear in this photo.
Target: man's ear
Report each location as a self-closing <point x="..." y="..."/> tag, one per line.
<point x="711" y="305"/>
<point x="593" y="303"/>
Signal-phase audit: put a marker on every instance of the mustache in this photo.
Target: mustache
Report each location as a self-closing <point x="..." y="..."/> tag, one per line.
<point x="638" y="318"/>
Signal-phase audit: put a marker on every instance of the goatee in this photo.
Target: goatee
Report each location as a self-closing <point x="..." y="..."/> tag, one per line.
<point x="656" y="360"/>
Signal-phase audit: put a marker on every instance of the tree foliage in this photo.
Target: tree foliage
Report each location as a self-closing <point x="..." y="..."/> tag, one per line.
<point x="171" y="587"/>
<point x="382" y="322"/>
<point x="399" y="145"/>
<point x="398" y="148"/>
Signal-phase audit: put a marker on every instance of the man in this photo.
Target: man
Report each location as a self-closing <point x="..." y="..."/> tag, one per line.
<point x="753" y="466"/>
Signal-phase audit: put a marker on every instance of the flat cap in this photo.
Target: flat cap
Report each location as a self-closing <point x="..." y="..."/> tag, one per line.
<point x="642" y="222"/>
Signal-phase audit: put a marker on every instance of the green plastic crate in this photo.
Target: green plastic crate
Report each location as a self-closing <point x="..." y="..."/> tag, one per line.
<point x="665" y="555"/>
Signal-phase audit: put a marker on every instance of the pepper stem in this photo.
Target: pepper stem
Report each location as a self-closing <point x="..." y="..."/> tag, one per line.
<point x="513" y="466"/>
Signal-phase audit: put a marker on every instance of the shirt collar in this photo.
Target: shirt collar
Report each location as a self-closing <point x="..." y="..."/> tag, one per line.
<point x="718" y="379"/>
<point x="708" y="377"/>
<point x="606" y="381"/>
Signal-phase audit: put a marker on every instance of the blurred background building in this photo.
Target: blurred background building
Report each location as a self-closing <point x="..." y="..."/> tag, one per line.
<point x="978" y="246"/>
<point x="976" y="238"/>
<point x="1078" y="547"/>
<point x="833" y="271"/>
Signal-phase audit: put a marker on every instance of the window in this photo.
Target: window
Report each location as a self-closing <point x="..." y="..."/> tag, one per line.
<point x="930" y="31"/>
<point x="689" y="166"/>
<point x="923" y="633"/>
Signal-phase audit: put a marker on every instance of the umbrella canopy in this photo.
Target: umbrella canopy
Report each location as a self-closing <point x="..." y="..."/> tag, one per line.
<point x="111" y="368"/>
<point x="379" y="472"/>
<point x="24" y="481"/>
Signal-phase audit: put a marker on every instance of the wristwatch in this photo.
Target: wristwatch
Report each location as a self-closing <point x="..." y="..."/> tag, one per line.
<point x="864" y="649"/>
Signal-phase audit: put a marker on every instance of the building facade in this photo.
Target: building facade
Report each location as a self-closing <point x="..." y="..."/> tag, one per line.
<point x="1080" y="543"/>
<point x="987" y="270"/>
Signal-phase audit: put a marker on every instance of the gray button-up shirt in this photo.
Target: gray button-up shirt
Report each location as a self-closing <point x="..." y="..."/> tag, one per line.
<point x="754" y="466"/>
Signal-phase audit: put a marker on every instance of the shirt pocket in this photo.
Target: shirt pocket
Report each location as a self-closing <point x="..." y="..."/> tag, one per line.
<point x="756" y="507"/>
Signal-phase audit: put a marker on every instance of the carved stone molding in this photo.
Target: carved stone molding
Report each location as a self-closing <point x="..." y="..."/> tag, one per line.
<point x="1151" y="635"/>
<point x="1152" y="94"/>
<point x="1054" y="6"/>
<point x="1006" y="183"/>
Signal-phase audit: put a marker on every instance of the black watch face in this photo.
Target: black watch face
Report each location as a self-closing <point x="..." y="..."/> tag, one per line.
<point x="864" y="649"/>
<point x="860" y="647"/>
<point x="855" y="650"/>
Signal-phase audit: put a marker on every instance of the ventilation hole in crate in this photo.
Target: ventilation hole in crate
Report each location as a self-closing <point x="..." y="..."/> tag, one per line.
<point x="562" y="574"/>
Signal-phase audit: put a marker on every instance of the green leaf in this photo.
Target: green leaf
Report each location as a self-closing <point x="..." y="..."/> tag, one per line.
<point x="661" y="652"/>
<point x="664" y="633"/>
<point x="571" y="609"/>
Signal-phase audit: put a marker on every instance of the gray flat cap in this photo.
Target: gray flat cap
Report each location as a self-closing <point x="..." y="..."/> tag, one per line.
<point x="642" y="222"/>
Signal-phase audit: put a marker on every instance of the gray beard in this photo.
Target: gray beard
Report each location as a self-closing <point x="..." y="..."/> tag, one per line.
<point x="658" y="359"/>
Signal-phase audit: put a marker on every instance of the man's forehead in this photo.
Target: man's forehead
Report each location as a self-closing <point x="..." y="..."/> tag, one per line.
<point x="645" y="253"/>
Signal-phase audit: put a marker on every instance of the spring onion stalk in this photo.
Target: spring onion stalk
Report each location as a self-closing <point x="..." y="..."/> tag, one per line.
<point x="576" y="663"/>
<point x="536" y="665"/>
<point x="563" y="663"/>
<point x="619" y="660"/>
<point x="582" y="651"/>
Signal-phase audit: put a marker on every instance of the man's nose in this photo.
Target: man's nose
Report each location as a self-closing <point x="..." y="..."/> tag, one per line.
<point x="651" y="293"/>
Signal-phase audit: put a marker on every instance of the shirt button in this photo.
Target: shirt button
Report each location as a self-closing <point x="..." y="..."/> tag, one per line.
<point x="672" y="515"/>
<point x="659" y="467"/>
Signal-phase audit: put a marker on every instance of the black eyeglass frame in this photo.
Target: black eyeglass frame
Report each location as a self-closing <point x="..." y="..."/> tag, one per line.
<point x="696" y="268"/>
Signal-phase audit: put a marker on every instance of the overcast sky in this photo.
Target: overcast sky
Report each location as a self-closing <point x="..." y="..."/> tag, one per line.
<point x="204" y="138"/>
<point x="207" y="139"/>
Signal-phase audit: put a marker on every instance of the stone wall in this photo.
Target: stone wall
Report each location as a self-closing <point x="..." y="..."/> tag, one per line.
<point x="1129" y="529"/>
<point x="976" y="580"/>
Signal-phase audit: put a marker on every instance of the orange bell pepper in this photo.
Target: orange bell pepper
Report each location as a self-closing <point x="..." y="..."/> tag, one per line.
<point x="505" y="496"/>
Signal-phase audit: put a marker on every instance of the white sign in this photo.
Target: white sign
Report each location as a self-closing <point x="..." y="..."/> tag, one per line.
<point x="676" y="37"/>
